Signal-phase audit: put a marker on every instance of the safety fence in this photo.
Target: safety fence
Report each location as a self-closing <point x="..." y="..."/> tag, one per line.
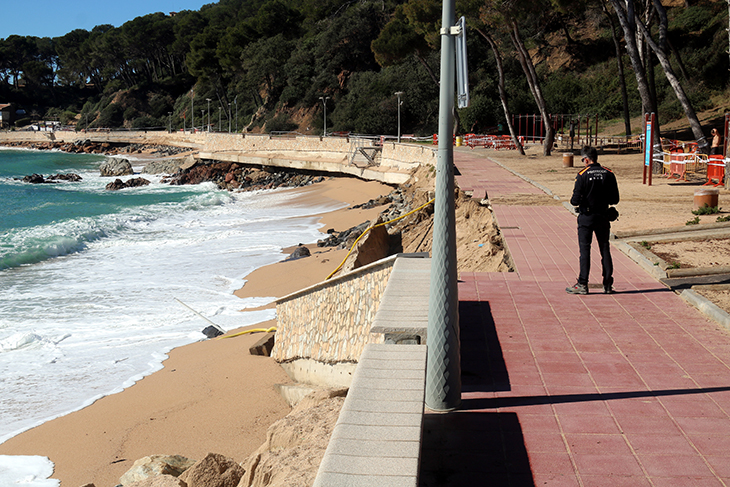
<point x="497" y="142"/>
<point x="679" y="160"/>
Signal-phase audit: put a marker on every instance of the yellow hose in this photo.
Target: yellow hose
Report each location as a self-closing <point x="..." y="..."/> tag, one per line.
<point x="375" y="226"/>
<point x="255" y="330"/>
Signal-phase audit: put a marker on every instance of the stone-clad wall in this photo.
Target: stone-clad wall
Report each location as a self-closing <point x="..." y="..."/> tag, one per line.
<point x="326" y="154"/>
<point x="330" y="322"/>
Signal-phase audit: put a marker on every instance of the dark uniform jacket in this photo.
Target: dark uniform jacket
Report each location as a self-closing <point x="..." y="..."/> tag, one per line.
<point x="595" y="189"/>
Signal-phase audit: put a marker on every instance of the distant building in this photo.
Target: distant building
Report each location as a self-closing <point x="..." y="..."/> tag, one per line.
<point x="7" y="115"/>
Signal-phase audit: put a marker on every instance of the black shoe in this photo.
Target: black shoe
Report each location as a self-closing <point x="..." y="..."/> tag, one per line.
<point x="577" y="289"/>
<point x="608" y="290"/>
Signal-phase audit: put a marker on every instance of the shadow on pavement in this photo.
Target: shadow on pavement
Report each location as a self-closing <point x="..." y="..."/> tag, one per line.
<point x="469" y="448"/>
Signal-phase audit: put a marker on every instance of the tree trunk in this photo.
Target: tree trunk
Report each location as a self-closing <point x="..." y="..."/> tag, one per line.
<point x="682" y="69"/>
<point x="428" y="68"/>
<point x="503" y="92"/>
<point x="689" y="111"/>
<point x="619" y="60"/>
<point x="534" y="84"/>
<point x="626" y="19"/>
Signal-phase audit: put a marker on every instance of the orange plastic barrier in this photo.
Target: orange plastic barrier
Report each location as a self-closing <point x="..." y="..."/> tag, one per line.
<point x="677" y="165"/>
<point x="715" y="170"/>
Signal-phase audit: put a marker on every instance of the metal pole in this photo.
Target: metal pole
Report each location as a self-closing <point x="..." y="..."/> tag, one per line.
<point x="229" y="118"/>
<point x="192" y="111"/>
<point x="324" y="102"/>
<point x="443" y="371"/>
<point x="208" y="100"/>
<point x="235" y="102"/>
<point x="399" y="93"/>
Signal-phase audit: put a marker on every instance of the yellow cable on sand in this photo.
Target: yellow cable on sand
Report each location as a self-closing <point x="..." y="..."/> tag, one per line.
<point x="255" y="330"/>
<point x="367" y="230"/>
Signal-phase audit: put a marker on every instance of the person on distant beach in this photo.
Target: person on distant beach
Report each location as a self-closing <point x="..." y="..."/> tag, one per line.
<point x="595" y="189"/>
<point x="716" y="147"/>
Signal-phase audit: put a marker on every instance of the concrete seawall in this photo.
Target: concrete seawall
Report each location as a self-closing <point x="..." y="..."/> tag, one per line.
<point x="338" y="155"/>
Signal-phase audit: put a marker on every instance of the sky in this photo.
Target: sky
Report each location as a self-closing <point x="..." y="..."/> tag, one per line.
<point x="55" y="18"/>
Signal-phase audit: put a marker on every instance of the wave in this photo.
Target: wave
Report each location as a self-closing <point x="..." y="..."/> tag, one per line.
<point x="21" y="340"/>
<point x="27" y="246"/>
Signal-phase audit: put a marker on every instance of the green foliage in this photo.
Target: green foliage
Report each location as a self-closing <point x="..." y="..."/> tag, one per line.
<point x="690" y="19"/>
<point x="694" y="221"/>
<point x="280" y="123"/>
<point x="725" y="218"/>
<point x="645" y="244"/>
<point x="110" y="116"/>
<point x="283" y="55"/>
<point x="147" y="122"/>
<point x="67" y="117"/>
<point x="706" y="210"/>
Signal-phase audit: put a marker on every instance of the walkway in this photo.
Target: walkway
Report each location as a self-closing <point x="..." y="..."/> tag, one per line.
<point x="630" y="389"/>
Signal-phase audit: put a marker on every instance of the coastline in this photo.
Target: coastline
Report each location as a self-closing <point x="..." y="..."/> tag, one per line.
<point x="210" y="396"/>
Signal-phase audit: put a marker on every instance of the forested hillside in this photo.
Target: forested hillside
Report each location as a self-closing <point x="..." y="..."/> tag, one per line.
<point x="270" y="65"/>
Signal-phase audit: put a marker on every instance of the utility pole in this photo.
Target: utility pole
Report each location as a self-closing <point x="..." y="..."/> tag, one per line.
<point x="443" y="371"/>
<point x="324" y="102"/>
<point x="399" y="93"/>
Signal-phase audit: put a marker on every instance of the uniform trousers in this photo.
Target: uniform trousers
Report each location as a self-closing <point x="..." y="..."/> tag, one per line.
<point x="587" y="226"/>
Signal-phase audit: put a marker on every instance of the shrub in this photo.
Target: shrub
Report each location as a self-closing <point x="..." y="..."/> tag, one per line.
<point x="706" y="210"/>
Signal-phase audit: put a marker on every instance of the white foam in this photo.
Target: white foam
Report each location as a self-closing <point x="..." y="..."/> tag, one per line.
<point x="26" y="471"/>
<point x="87" y="324"/>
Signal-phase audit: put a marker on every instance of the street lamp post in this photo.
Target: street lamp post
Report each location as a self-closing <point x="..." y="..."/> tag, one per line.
<point x="235" y="102"/>
<point x="192" y="111"/>
<point x="399" y="93"/>
<point x="220" y="111"/>
<point x="208" y="100"/>
<point x="169" y="122"/>
<point x="443" y="369"/>
<point x="324" y="102"/>
<point x="229" y="118"/>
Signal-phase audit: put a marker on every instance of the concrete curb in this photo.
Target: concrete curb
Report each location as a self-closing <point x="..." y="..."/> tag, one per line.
<point x="706" y="307"/>
<point x="654" y="270"/>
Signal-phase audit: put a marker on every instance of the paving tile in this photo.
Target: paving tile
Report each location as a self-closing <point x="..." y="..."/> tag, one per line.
<point x="596" y="444"/>
<point x="608" y="464"/>
<point x="678" y="466"/>
<point x="654" y="444"/>
<point x="631" y="389"/>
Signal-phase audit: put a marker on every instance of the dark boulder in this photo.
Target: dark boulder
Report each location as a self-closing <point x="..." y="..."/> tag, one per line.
<point x="118" y="184"/>
<point x="71" y="177"/>
<point x="34" y="179"/>
<point x="299" y="253"/>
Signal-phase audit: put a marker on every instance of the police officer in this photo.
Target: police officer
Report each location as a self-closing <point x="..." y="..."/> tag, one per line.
<point x="595" y="189"/>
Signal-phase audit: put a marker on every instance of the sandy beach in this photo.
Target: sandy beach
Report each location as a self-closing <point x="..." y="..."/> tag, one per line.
<point x="211" y="396"/>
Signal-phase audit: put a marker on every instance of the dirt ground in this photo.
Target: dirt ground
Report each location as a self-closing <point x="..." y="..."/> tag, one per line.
<point x="665" y="204"/>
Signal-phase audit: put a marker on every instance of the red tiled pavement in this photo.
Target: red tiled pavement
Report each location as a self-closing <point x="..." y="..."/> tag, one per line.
<point x="630" y="389"/>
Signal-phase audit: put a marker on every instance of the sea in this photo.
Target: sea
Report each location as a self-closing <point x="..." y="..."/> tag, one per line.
<point x="97" y="286"/>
